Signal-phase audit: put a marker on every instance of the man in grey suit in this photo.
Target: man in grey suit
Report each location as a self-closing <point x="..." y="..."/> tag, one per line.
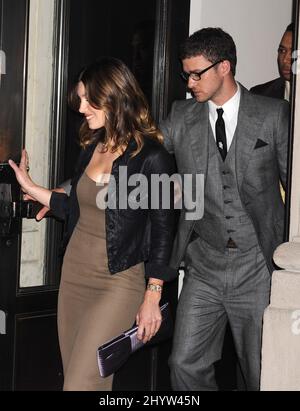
<point x="238" y="141"/>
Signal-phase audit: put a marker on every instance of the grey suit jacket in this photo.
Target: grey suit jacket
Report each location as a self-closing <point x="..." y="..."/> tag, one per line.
<point x="261" y="160"/>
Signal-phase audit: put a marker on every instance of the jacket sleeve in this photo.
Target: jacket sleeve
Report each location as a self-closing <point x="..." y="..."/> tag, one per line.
<point x="59" y="205"/>
<point x="162" y="219"/>
<point x="60" y="202"/>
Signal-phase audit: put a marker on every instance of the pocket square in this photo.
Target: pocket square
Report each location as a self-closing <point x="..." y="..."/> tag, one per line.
<point x="260" y="143"/>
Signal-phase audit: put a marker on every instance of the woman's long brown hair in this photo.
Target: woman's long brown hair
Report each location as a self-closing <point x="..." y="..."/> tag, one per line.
<point x="111" y="87"/>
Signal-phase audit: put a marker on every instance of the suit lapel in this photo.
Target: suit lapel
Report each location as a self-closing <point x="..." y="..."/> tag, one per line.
<point x="247" y="132"/>
<point x="197" y="122"/>
<point x="248" y="129"/>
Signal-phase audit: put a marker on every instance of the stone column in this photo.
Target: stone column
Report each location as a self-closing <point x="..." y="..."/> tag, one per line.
<point x="281" y="332"/>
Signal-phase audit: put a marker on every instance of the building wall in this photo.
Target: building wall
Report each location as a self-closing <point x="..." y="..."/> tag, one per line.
<point x="256" y="27"/>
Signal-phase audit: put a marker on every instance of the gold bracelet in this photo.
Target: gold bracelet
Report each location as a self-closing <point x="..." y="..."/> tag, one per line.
<point x="154" y="287"/>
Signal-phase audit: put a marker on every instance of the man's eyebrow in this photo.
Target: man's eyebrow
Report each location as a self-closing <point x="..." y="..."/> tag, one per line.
<point x="284" y="47"/>
<point x="195" y="71"/>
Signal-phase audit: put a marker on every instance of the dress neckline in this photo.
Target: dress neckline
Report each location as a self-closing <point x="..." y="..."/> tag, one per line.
<point x="94" y="181"/>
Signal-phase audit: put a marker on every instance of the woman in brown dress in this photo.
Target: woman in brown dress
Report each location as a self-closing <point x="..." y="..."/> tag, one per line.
<point x="113" y="243"/>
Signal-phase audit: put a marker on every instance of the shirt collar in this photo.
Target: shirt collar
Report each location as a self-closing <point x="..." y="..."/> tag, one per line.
<point x="231" y="106"/>
<point x="287" y="90"/>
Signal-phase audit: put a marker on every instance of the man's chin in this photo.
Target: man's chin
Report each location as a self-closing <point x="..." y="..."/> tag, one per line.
<point x="286" y="75"/>
<point x="200" y="97"/>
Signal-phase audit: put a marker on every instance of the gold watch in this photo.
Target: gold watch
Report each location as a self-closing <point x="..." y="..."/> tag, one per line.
<point x="154" y="287"/>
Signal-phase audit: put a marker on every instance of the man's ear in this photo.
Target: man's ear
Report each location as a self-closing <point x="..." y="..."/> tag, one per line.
<point x="225" y="67"/>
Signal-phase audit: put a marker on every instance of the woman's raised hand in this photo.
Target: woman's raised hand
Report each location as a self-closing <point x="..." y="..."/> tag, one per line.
<point x="21" y="172"/>
<point x="38" y="193"/>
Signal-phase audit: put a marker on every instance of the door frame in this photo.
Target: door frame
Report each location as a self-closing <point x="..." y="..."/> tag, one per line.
<point x="292" y="203"/>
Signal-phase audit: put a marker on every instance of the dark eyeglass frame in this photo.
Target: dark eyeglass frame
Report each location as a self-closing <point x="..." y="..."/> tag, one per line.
<point x="196" y="76"/>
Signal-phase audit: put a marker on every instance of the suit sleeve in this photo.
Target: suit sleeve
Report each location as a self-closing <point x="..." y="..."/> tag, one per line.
<point x="166" y="127"/>
<point x="282" y="140"/>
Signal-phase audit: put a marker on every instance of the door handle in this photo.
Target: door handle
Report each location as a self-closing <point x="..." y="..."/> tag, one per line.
<point x="19" y="209"/>
<point x="10" y="210"/>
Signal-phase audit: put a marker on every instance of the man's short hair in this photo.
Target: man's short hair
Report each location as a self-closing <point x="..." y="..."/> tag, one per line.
<point x="212" y="43"/>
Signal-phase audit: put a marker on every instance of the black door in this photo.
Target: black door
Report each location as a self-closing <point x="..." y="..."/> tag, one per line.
<point x="29" y="354"/>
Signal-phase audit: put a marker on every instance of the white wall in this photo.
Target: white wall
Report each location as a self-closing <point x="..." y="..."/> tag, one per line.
<point x="256" y="27"/>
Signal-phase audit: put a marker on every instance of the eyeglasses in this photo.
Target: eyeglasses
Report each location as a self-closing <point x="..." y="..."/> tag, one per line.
<point x="196" y="76"/>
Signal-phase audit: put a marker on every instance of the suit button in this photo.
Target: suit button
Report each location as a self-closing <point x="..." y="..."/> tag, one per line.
<point x="111" y="226"/>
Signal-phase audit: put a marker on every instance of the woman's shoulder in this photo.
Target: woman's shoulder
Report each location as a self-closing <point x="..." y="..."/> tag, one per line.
<point x="154" y="147"/>
<point x="156" y="154"/>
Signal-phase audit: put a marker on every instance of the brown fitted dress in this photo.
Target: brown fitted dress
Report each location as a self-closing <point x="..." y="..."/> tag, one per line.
<point x="94" y="305"/>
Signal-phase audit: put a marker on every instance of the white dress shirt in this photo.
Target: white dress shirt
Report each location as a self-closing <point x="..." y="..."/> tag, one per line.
<point x="287" y="91"/>
<point x="230" y="115"/>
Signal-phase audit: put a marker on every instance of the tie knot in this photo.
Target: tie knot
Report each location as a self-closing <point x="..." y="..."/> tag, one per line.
<point x="220" y="112"/>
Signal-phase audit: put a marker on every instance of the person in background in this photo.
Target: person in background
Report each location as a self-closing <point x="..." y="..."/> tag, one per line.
<point x="280" y="87"/>
<point x="238" y="142"/>
<point x="110" y="250"/>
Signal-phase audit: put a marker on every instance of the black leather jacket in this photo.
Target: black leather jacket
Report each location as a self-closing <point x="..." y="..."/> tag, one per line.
<point x="132" y="236"/>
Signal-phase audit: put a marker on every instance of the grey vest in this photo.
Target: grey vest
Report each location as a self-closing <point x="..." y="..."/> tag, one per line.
<point x="224" y="215"/>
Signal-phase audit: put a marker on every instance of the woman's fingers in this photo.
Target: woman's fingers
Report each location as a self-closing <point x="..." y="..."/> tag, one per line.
<point x="13" y="165"/>
<point x="147" y="330"/>
<point x="24" y="163"/>
<point x="148" y="319"/>
<point x="41" y="214"/>
<point x="157" y="326"/>
<point x="21" y="171"/>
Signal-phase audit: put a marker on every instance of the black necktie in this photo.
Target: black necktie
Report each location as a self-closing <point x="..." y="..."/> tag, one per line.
<point x="221" y="134"/>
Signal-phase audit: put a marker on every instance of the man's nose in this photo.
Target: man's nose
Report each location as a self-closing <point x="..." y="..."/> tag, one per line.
<point x="287" y="57"/>
<point x="190" y="82"/>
